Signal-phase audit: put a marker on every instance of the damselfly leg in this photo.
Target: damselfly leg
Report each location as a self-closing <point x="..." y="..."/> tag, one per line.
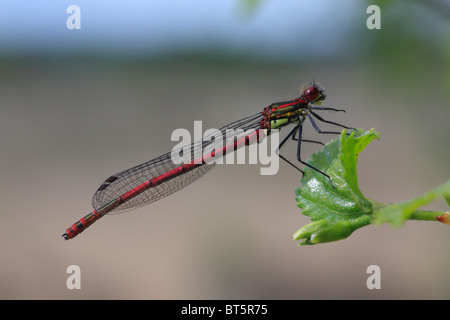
<point x="306" y="140"/>
<point x="296" y="135"/>
<point x="291" y="134"/>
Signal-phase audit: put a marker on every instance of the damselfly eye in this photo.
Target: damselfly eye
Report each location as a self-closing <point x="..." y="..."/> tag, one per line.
<point x="312" y="93"/>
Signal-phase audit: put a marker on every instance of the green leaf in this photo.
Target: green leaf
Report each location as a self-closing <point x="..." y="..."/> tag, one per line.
<point x="351" y="147"/>
<point x="396" y="214"/>
<point x="340" y="208"/>
<point x="447" y="198"/>
<point x="341" y="202"/>
<point x="323" y="231"/>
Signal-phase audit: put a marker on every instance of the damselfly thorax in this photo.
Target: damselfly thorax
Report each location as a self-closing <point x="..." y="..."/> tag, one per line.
<point x="281" y="114"/>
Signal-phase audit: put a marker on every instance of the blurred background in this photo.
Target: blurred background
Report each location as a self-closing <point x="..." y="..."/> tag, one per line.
<point x="77" y="106"/>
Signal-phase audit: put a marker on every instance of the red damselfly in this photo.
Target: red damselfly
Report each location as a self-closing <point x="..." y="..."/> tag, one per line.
<point x="160" y="177"/>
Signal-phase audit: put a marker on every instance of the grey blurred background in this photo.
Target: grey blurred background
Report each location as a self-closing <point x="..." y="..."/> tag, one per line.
<point x="77" y="106"/>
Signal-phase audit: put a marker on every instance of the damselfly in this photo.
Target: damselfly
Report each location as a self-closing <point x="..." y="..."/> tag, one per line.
<point x="160" y="177"/>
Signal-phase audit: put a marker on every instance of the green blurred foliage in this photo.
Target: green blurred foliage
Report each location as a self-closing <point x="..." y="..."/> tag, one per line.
<point x="411" y="49"/>
<point x="413" y="43"/>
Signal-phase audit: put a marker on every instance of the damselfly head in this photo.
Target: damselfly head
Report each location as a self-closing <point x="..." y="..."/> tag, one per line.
<point x="313" y="93"/>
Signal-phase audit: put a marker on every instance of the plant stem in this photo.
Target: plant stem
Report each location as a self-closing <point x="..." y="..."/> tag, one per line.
<point x="425" y="215"/>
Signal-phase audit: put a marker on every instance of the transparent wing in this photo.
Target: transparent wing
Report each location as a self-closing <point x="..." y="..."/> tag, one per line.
<point x="126" y="180"/>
